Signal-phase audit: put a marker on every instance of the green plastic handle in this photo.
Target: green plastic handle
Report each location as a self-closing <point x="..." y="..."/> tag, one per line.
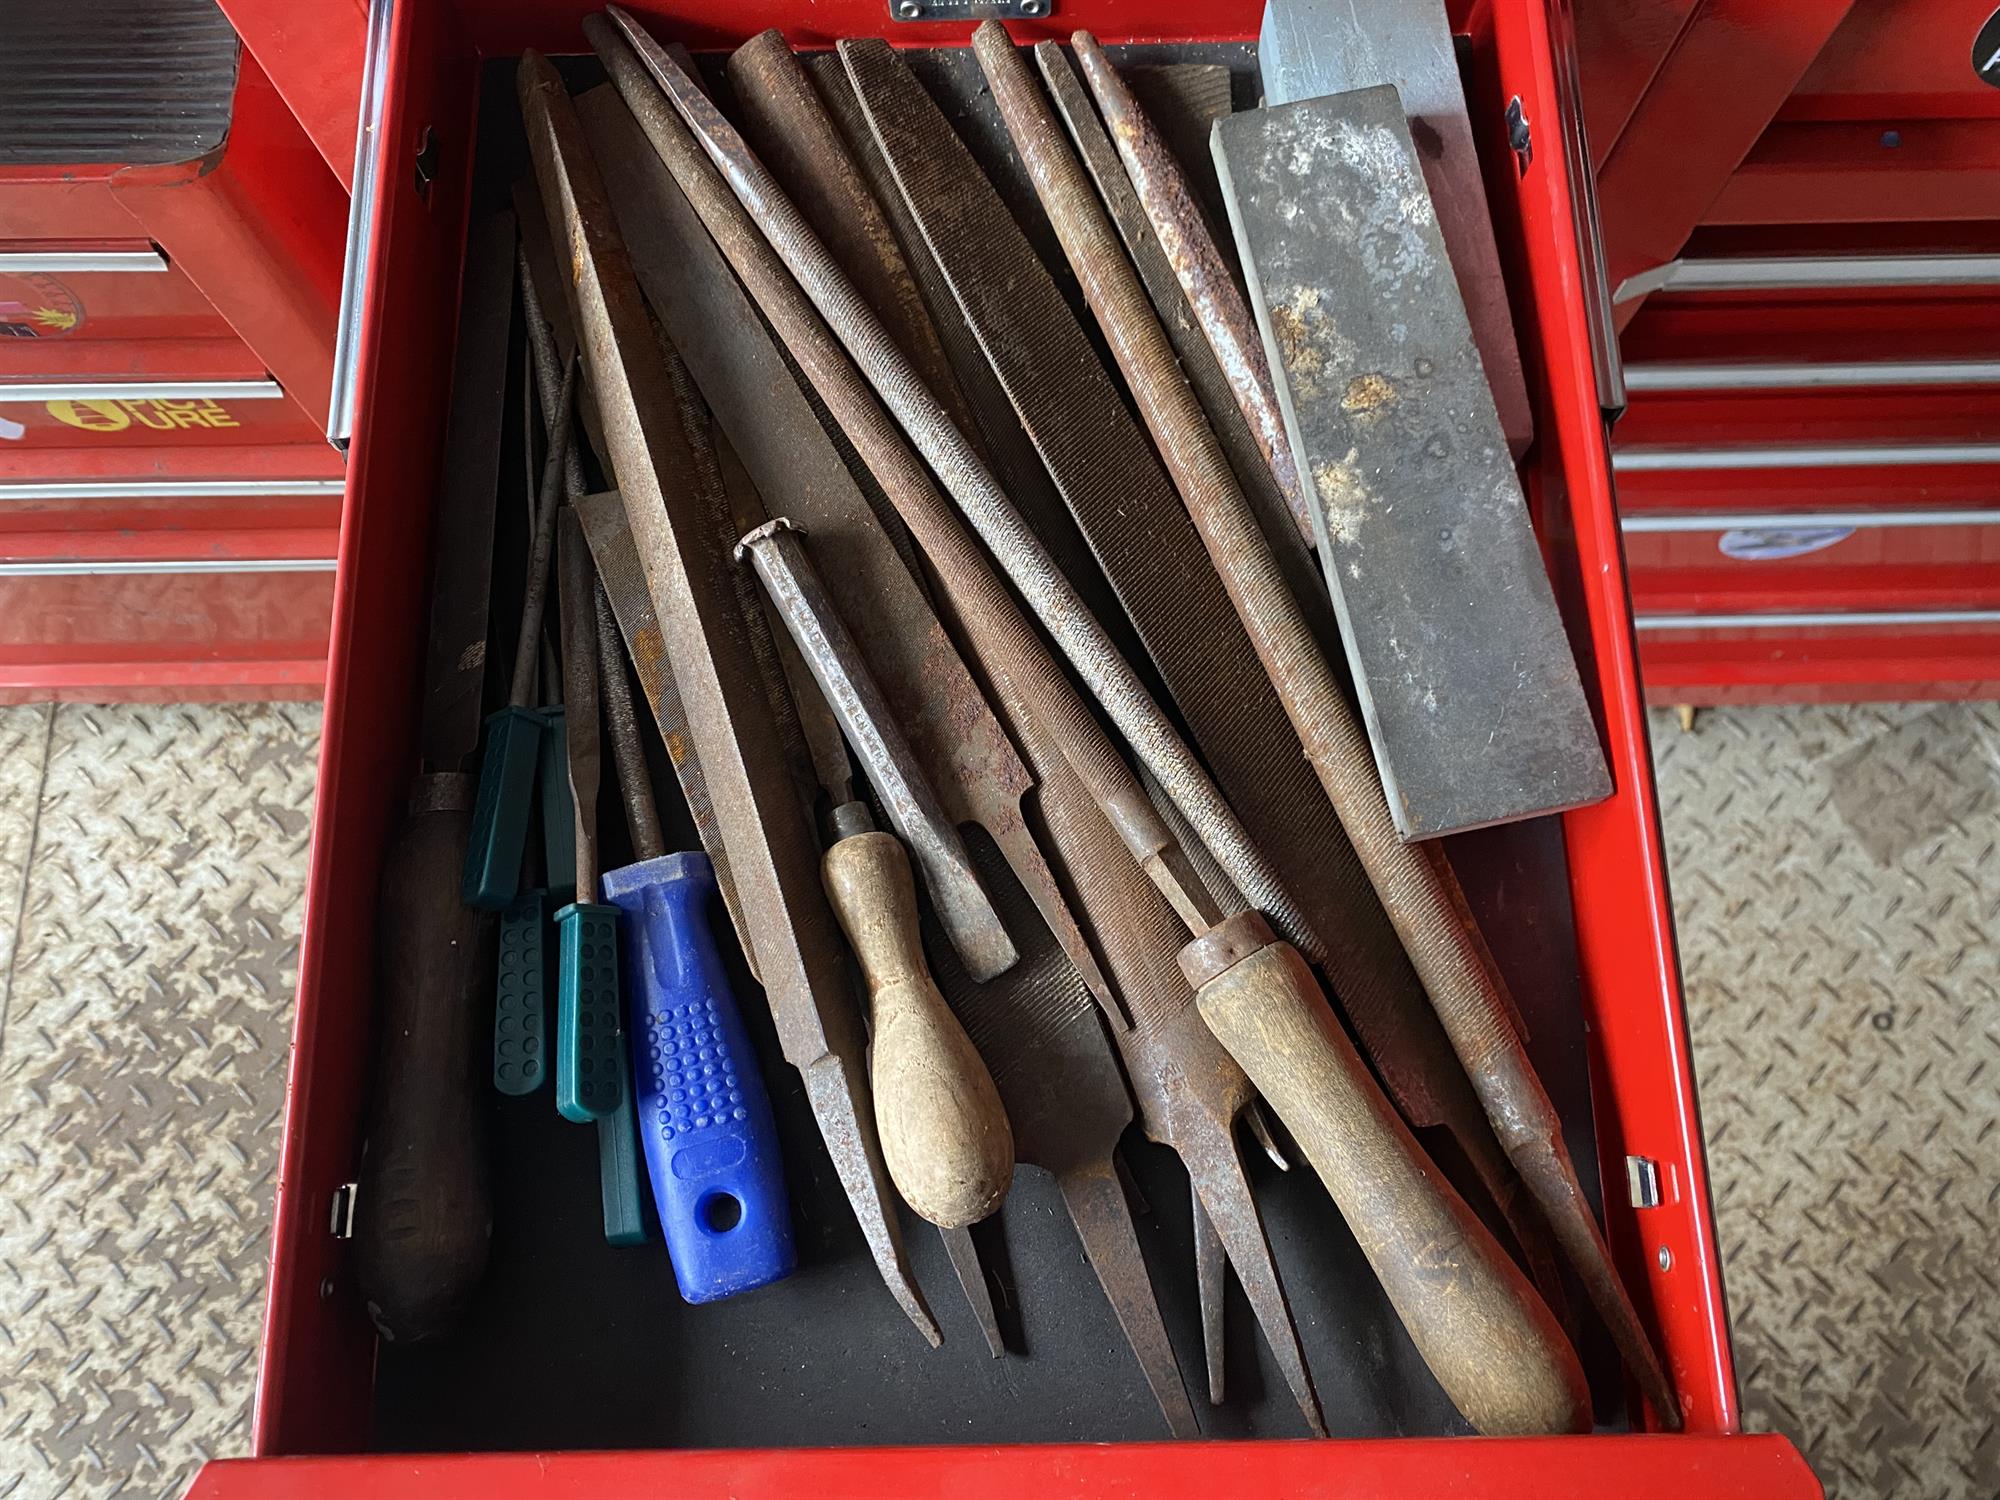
<point x="500" y="815"/>
<point x="520" y="1009"/>
<point x="621" y="1174"/>
<point x="590" y="1075"/>
<point x="558" y="811"/>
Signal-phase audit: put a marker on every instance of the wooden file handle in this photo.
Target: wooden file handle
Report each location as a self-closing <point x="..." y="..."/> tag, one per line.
<point x="945" y="1135"/>
<point x="1486" y="1336"/>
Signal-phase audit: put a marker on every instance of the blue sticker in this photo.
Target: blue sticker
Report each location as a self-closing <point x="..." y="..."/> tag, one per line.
<point x="1775" y="543"/>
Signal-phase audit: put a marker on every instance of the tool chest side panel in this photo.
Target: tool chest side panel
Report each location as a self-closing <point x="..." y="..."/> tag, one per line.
<point x="1641" y="1065"/>
<point x="314" y="1386"/>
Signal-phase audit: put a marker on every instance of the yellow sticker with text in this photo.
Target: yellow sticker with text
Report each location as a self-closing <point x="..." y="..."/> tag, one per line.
<point x="161" y="416"/>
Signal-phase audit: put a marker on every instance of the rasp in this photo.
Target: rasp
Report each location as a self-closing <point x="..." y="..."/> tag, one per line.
<point x="1058" y="1076"/>
<point x="1289" y="533"/>
<point x="964" y="751"/>
<point x="1046" y="712"/>
<point x="1404" y="1039"/>
<point x="1313" y="699"/>
<point x="769" y="838"/>
<point x="996" y="433"/>
<point x="1135" y="521"/>
<point x="1428" y="404"/>
<point x="971" y="484"/>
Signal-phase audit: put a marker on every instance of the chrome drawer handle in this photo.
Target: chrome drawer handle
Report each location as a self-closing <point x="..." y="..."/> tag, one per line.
<point x="53" y="259"/>
<point x="108" y="567"/>
<point x="360" y="226"/>
<point x="1756" y="375"/>
<point x="165" y="489"/>
<point x="1639" y="523"/>
<point x="1676" y="459"/>
<point x="1816" y="619"/>
<point x="140" y="390"/>
<point x="1810" y="272"/>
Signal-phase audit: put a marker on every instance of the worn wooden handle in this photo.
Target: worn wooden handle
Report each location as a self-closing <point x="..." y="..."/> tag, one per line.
<point x="945" y="1135"/>
<point x="1486" y="1336"/>
<point x="424" y="1213"/>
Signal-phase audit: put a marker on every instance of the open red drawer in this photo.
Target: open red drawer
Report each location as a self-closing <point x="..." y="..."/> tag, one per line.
<point x="316" y="1393"/>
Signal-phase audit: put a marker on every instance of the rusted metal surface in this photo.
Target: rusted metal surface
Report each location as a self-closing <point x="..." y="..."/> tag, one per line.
<point x="455" y="664"/>
<point x="961" y="746"/>
<point x="576" y="607"/>
<point x="1141" y="533"/>
<point x="1444" y="947"/>
<point x="1476" y="711"/>
<point x="521" y="685"/>
<point x="1184" y="100"/>
<point x="1211" y="385"/>
<point x="777" y="550"/>
<point x="617" y="559"/>
<point x="1045" y="1042"/>
<point x="1211" y="1272"/>
<point x="1363" y="960"/>
<point x="1297" y="664"/>
<point x="621" y="721"/>
<point x="1027" y="681"/>
<point x="1067" y="748"/>
<point x="1190" y="248"/>
<point x="770" y="840"/>
<point x="971" y="485"/>
<point x="1102" y="466"/>
<point x="997" y="432"/>
<point x="965" y="1265"/>
<point x="1312" y="48"/>
<point x="824" y="741"/>
<point x="1189" y="1091"/>
<point x="788" y="125"/>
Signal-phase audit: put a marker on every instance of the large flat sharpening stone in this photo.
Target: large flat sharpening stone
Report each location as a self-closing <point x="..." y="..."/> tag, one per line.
<point x="1465" y="677"/>
<point x="1309" y="48"/>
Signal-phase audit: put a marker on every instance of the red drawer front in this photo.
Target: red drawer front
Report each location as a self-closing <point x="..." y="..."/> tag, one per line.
<point x="164" y="574"/>
<point x="163" y="634"/>
<point x="314" y="1392"/>
<point x="1820" y="565"/>
<point x="1822" y="580"/>
<point x="45" y="314"/>
<point x="250" y="237"/>
<point x="1860" y="660"/>
<point x="1644" y="1468"/>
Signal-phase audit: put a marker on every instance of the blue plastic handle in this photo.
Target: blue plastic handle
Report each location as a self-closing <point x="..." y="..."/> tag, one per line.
<point x="705" y="1121"/>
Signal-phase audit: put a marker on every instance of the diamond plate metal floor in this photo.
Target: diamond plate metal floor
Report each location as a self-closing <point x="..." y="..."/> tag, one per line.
<point x="1838" y="897"/>
<point x="152" y="864"/>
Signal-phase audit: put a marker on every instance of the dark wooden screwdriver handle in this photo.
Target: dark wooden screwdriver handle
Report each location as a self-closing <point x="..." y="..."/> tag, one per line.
<point x="423" y="1213"/>
<point x="1486" y="1336"/>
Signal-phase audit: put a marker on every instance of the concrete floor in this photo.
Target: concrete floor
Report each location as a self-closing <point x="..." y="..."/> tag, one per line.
<point x="1837" y="889"/>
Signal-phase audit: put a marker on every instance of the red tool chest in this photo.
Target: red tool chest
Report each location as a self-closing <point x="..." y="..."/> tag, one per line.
<point x="1799" y="210"/>
<point x="314" y="1422"/>
<point x="169" y="269"/>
